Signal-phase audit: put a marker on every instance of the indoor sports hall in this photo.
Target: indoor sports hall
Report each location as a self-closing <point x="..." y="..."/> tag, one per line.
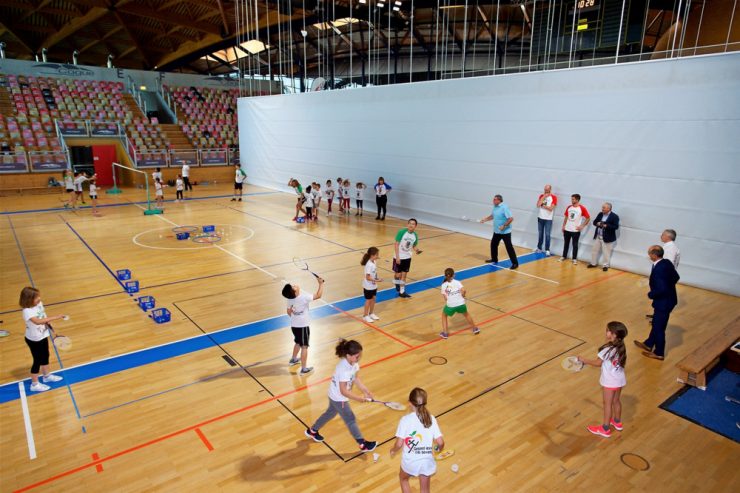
<point x="158" y="193"/>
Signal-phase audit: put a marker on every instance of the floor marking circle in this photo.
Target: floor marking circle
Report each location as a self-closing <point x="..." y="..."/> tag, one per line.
<point x="634" y="461"/>
<point x="249" y="232"/>
<point x="438" y="360"/>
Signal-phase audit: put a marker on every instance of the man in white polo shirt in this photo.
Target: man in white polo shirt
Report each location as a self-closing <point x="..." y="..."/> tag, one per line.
<point x="546" y="204"/>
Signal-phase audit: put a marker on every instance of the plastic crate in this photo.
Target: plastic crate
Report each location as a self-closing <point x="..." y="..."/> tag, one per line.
<point x="147" y="302"/>
<point x="209" y="229"/>
<point x="123" y="274"/>
<point x="161" y="315"/>
<point x="183" y="236"/>
<point x="131" y="286"/>
<point x="300" y="220"/>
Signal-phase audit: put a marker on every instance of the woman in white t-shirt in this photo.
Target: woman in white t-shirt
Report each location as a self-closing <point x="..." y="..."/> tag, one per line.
<point x="369" y="283"/>
<point x="419" y="437"/>
<point x="340" y="393"/>
<point x="37" y="334"/>
<point x="454" y="294"/>
<point x="612" y="360"/>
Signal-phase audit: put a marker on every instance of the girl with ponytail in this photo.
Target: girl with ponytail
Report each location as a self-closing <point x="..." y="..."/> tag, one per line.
<point x="418" y="435"/>
<point x="340" y="393"/>
<point x="612" y="359"/>
<point x="369" y="283"/>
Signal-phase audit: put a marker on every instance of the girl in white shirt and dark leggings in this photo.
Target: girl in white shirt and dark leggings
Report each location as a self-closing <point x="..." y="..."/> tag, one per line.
<point x="37" y="334"/>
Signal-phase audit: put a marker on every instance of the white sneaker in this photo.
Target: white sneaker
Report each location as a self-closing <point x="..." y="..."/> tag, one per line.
<point x="561" y="259"/>
<point x="374" y="316"/>
<point x="575" y="262"/>
<point x="52" y="378"/>
<point x="39" y="387"/>
<point x="547" y="253"/>
<point x="368" y="319"/>
<point x="537" y="250"/>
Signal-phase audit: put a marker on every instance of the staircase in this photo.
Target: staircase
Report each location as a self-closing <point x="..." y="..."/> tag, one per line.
<point x="133" y="106"/>
<point x="173" y="133"/>
<point x="6" y="106"/>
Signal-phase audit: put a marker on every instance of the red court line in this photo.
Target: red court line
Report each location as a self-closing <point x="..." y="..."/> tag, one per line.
<point x="294" y="391"/>
<point x="371" y="326"/>
<point x="204" y="439"/>
<point x="98" y="467"/>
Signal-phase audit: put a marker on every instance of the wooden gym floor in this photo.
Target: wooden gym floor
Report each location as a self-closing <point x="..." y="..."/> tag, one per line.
<point x="148" y="407"/>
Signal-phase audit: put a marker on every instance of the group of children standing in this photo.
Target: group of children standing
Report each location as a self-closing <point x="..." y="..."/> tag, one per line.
<point x="309" y="199"/>
<point x="73" y="185"/>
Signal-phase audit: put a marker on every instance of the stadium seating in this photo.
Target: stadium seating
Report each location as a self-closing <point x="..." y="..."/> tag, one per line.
<point x="207" y="116"/>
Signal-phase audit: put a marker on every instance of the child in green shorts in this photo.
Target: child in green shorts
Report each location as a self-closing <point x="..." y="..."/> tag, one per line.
<point x="454" y="295"/>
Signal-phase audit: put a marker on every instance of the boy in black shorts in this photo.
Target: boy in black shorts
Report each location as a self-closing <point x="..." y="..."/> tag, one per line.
<point x="406" y="242"/>
<point x="298" y="306"/>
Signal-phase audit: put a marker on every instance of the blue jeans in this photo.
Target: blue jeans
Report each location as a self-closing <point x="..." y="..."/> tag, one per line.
<point x="544" y="226"/>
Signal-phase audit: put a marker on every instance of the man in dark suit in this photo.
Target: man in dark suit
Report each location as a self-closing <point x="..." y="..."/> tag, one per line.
<point x="663" y="279"/>
<point x="605" y="236"/>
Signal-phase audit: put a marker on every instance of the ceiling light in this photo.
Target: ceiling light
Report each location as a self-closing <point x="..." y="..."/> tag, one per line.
<point x="396" y="8"/>
<point x="397" y="3"/>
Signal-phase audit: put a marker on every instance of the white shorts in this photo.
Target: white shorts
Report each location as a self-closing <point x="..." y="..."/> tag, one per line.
<point x="427" y="467"/>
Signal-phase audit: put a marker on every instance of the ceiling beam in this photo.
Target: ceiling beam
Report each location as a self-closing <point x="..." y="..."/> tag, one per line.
<point x="73" y="26"/>
<point x="223" y="16"/>
<point x="140" y="10"/>
<point x="4" y="28"/>
<point x="147" y="63"/>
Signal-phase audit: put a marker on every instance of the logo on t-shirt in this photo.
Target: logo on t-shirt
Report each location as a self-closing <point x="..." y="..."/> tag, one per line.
<point x="412" y="441"/>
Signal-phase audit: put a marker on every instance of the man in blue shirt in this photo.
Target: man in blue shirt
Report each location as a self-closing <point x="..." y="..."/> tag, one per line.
<point x="502" y="219"/>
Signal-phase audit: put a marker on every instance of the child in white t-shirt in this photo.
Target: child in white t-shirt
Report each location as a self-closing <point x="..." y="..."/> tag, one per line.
<point x="369" y="283"/>
<point x="157" y="174"/>
<point x="612" y="360"/>
<point x="329" y="194"/>
<point x="94" y="195"/>
<point x="359" y="189"/>
<point x="69" y="187"/>
<point x="316" y="192"/>
<point x="298" y="306"/>
<point x="346" y="190"/>
<point x="179" y="185"/>
<point x="340" y="393"/>
<point x="419" y="437"/>
<point x="159" y="192"/>
<point x="454" y="294"/>
<point x="340" y="191"/>
<point x="308" y="203"/>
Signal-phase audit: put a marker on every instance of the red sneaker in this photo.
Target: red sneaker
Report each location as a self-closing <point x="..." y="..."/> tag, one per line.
<point x="599" y="430"/>
<point x="616" y="424"/>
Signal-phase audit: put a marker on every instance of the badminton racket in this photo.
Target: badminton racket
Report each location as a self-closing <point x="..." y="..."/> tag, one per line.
<point x="571" y="364"/>
<point x="63" y="342"/>
<point x="396" y="406"/>
<point x="445" y="454"/>
<point x="303" y="265"/>
<point x="469" y="219"/>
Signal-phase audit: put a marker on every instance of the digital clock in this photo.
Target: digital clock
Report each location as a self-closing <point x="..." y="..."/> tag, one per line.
<point x="586" y="4"/>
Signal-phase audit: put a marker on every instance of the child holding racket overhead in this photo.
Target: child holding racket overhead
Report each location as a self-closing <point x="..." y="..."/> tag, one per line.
<point x="340" y="393"/>
<point x="37" y="333"/>
<point x="454" y="294"/>
<point x="369" y="283"/>
<point x="612" y="359"/>
<point x="298" y="305"/>
<point x="418" y="435"/>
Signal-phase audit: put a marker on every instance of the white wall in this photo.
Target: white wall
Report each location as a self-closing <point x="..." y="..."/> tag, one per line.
<point x="660" y="140"/>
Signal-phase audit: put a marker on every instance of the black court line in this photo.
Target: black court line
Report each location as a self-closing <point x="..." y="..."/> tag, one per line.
<point x="483" y="393"/>
<point x="251" y="375"/>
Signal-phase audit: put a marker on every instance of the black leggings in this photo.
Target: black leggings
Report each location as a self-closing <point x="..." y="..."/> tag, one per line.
<point x="40" y="353"/>
<point x="186" y="181"/>
<point x="567" y="237"/>
<point x="381" y="201"/>
<point x="179" y="194"/>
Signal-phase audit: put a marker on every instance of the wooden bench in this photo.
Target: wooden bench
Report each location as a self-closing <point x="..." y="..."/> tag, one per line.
<point x="694" y="367"/>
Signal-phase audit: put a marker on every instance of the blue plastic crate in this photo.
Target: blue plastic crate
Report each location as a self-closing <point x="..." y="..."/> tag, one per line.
<point x="123" y="274"/>
<point x="146" y="302"/>
<point x="300" y="220"/>
<point x="209" y="229"/>
<point x="131" y="286"/>
<point x="161" y="315"/>
<point x="183" y="236"/>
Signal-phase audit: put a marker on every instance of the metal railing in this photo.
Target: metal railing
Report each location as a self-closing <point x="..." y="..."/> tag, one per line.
<point x="88" y="128"/>
<point x="174" y="158"/>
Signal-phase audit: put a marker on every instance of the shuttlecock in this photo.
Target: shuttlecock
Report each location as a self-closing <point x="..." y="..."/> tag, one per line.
<point x="376" y="456"/>
<point x="65" y="317"/>
<point x="455" y="468"/>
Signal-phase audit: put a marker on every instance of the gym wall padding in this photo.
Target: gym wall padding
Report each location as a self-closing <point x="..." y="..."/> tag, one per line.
<point x="660" y="140"/>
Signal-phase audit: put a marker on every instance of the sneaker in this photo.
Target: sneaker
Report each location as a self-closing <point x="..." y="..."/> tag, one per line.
<point x="561" y="259"/>
<point x="575" y="262"/>
<point x="366" y="446"/>
<point x="490" y="261"/>
<point x="514" y="267"/>
<point x="547" y="253"/>
<point x="233" y="200"/>
<point x="51" y="378"/>
<point x="357" y="213"/>
<point x="476" y="330"/>
<point x="240" y="199"/>
<point x="605" y="268"/>
<point x="39" y="387"/>
<point x="537" y="250"/>
<point x="313" y="435"/>
<point x="306" y="371"/>
<point x="599" y="430"/>
<point x="591" y="266"/>
<point x="374" y="316"/>
<point x="616" y="424"/>
<point x="404" y="295"/>
<point x="294" y="361"/>
<point x="368" y="319"/>
<point x="443" y="335"/>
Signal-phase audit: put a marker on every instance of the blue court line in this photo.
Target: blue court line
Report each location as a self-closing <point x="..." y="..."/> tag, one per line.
<point x="96" y="256"/>
<point x="127" y="204"/>
<point x="115" y="364"/>
<point x="23" y="257"/>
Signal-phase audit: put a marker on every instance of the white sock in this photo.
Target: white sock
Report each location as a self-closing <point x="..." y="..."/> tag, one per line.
<point x="403" y="288"/>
